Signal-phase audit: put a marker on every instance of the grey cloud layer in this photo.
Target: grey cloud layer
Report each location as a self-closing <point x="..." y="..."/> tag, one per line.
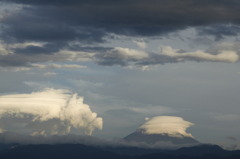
<point x="124" y="56"/>
<point x="70" y="59"/>
<point x="58" y="23"/>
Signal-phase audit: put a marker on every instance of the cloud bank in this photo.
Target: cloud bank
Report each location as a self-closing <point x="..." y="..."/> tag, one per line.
<point x="170" y="125"/>
<point x="121" y="56"/>
<point x="49" y="112"/>
<point x="166" y="54"/>
<point x="223" y="56"/>
<point x="40" y="31"/>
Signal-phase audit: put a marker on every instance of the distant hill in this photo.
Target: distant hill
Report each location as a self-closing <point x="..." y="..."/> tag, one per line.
<point x="61" y="151"/>
<point x="79" y="151"/>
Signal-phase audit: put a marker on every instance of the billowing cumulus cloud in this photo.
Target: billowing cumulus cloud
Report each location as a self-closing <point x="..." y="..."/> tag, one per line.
<point x="170" y="125"/>
<point x="49" y="112"/>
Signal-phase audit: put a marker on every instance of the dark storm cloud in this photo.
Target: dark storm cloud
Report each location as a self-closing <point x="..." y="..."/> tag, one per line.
<point x="58" y="23"/>
<point x="92" y="20"/>
<point x="40" y="24"/>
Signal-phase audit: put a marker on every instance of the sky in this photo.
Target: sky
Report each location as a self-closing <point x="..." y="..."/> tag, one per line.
<point x="122" y="62"/>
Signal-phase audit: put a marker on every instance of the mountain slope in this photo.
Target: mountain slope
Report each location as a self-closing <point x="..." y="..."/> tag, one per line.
<point x="139" y="136"/>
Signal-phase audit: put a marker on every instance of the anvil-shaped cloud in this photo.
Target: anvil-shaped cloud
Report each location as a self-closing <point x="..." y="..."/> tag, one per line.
<point x="49" y="112"/>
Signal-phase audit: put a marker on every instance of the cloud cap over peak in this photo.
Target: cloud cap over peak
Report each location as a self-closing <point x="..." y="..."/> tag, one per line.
<point x="167" y="125"/>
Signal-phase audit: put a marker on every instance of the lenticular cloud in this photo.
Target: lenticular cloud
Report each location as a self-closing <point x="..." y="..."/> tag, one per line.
<point x="167" y="125"/>
<point x="49" y="112"/>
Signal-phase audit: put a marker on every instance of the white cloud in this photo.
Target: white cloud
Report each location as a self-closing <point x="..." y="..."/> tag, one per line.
<point x="26" y="44"/>
<point x="126" y="53"/>
<point x="4" y="49"/>
<point x="170" y="125"/>
<point x="223" y="56"/>
<point x="140" y="43"/>
<point x="69" y="55"/>
<point x="57" y="66"/>
<point x="49" y="112"/>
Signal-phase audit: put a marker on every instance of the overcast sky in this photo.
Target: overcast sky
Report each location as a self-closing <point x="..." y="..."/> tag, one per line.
<point x="129" y="59"/>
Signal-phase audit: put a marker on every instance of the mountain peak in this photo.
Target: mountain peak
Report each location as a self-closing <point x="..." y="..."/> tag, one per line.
<point x="163" y="129"/>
